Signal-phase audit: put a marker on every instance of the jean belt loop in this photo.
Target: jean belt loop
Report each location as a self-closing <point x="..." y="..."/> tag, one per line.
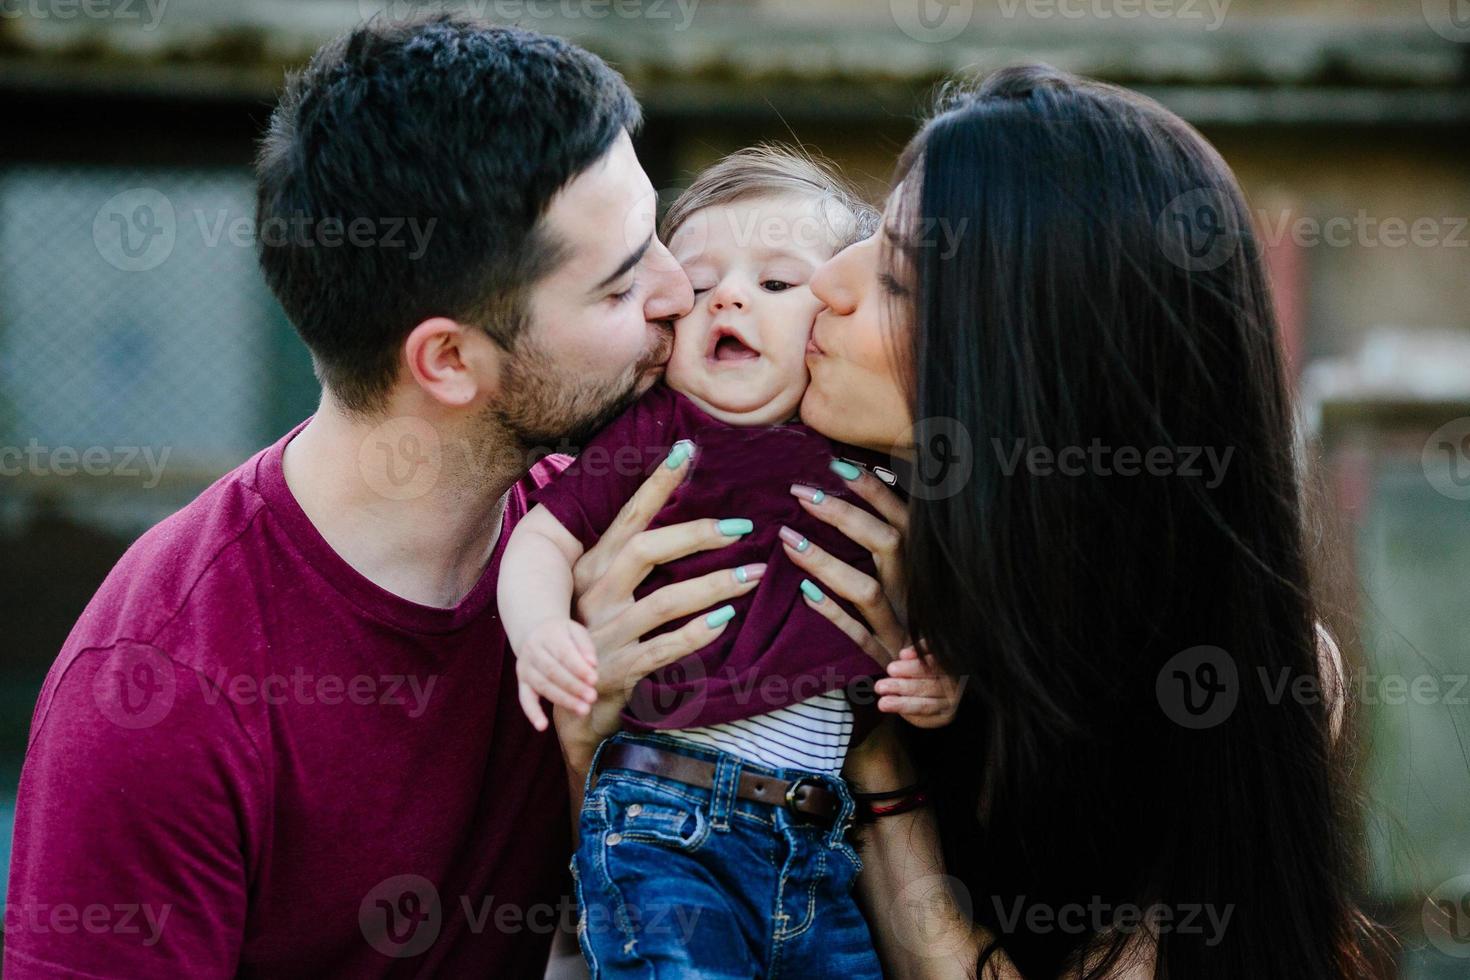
<point x="722" y="796"/>
<point x="844" y="815"/>
<point x="596" y="757"/>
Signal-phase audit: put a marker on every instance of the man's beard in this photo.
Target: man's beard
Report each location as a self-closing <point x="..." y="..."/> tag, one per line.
<point x="543" y="406"/>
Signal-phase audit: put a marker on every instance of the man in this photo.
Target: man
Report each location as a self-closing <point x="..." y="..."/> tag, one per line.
<point x="283" y="739"/>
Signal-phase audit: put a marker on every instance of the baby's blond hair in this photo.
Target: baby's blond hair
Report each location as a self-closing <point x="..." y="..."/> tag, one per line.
<point x="771" y="169"/>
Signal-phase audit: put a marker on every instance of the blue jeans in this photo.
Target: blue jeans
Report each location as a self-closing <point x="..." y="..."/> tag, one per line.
<point x="678" y="881"/>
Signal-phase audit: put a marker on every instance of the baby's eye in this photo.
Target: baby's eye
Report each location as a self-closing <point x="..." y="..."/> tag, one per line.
<point x="776" y="285"/>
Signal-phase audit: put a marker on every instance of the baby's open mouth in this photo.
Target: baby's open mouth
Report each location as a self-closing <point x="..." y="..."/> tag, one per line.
<point x="728" y="347"/>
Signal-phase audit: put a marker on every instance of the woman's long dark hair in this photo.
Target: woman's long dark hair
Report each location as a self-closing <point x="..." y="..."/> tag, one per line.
<point x="1081" y="272"/>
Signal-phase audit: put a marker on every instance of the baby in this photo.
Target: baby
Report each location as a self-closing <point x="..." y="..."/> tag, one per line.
<point x="713" y="832"/>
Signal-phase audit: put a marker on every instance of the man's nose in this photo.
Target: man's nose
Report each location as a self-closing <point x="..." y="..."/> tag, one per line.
<point x="670" y="295"/>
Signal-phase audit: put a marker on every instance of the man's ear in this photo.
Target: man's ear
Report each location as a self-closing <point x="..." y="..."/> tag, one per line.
<point x="454" y="363"/>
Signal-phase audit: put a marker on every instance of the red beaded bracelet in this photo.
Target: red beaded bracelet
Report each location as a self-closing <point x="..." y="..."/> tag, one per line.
<point x="904" y="800"/>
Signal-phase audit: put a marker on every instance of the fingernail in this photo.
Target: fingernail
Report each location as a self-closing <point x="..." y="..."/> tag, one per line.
<point x="733" y="527"/>
<point x="749" y="573"/>
<point x="794" y="539"/>
<point x="682" y="450"/>
<point x="845" y="469"/>
<point x="719" y="617"/>
<point x="809" y="493"/>
<point x="811" y="591"/>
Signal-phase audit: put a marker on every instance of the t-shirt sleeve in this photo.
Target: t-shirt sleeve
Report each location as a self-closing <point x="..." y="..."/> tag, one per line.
<point x="138" y="810"/>
<point x="588" y="494"/>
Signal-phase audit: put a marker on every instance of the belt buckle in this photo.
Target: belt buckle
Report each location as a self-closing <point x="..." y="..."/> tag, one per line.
<point x="795" y="786"/>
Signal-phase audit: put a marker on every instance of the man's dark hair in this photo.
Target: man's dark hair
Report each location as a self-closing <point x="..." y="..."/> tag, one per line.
<point x="466" y="125"/>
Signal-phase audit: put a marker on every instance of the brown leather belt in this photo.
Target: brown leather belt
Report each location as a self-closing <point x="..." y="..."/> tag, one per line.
<point x="807" y="795"/>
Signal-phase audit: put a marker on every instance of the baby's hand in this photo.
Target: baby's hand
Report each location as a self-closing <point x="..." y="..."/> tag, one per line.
<point x="556" y="660"/>
<point x="917" y="690"/>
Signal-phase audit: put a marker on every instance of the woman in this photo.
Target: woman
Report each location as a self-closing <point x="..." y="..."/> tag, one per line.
<point x="1066" y="283"/>
<point x="1062" y="322"/>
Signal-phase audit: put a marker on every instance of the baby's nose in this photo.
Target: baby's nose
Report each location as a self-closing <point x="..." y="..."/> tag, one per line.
<point x="728" y="294"/>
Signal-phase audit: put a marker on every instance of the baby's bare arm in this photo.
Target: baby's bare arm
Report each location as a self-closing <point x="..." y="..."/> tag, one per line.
<point x="555" y="658"/>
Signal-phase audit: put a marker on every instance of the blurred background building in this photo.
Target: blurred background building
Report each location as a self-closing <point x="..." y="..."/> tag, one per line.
<point x="141" y="355"/>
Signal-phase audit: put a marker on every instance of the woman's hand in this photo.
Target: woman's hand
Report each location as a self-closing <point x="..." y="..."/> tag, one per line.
<point x="603" y="583"/>
<point x="880" y="600"/>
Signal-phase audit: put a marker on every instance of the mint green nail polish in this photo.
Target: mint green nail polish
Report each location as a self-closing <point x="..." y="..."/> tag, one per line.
<point x="845" y="469"/>
<point x="682" y="450"/>
<point x="741" y="575"/>
<point x="811" y="591"/>
<point x="819" y="496"/>
<point x="733" y="527"/>
<point x="719" y="617"/>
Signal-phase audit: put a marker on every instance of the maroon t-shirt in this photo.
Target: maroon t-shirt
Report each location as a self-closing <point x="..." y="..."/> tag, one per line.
<point x="250" y="760"/>
<point x="777" y="651"/>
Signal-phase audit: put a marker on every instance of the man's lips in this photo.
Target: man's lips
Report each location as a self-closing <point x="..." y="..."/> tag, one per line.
<point x="658" y="355"/>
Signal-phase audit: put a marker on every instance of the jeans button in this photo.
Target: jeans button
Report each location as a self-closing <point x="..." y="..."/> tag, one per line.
<point x="635" y="809"/>
<point x="614" y="838"/>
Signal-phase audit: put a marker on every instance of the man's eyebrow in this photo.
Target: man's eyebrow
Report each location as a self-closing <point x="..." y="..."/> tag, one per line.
<point x="628" y="263"/>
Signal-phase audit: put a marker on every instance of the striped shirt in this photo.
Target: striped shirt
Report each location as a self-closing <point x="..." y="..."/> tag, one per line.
<point x="812" y="735"/>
